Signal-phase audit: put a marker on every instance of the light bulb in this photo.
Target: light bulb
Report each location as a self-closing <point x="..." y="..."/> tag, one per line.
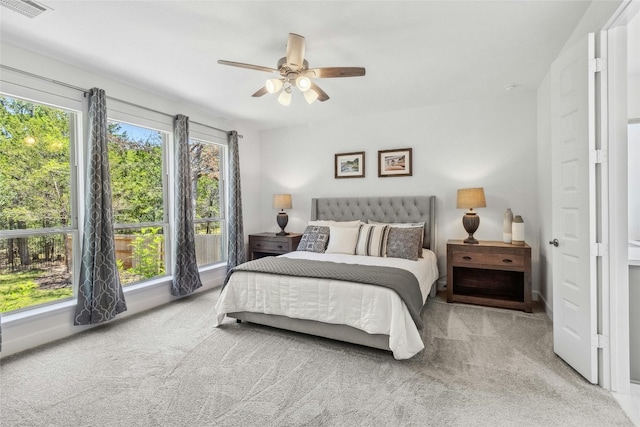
<point x="310" y="96"/>
<point x="303" y="83"/>
<point x="273" y="85"/>
<point x="285" y="97"/>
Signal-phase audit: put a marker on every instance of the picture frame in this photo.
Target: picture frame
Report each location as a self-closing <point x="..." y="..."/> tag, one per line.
<point x="396" y="162"/>
<point x="349" y="165"/>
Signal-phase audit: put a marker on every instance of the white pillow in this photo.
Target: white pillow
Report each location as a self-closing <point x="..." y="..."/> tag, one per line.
<point x="331" y="223"/>
<point x="342" y="240"/>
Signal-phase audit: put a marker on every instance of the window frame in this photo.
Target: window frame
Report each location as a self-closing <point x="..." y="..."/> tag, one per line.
<point x="167" y="144"/>
<point x="206" y="138"/>
<point x="76" y="170"/>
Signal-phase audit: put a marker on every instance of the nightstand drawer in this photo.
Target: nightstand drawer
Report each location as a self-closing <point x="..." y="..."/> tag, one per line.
<point x="269" y="244"/>
<point x="471" y="258"/>
<point x="258" y="244"/>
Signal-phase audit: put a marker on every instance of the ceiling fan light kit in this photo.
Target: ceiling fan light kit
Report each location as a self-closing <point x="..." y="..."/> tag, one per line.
<point x="295" y="72"/>
<point x="285" y="97"/>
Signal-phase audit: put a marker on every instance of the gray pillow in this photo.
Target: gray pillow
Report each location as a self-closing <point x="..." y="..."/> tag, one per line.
<point x="404" y="243"/>
<point x="314" y="239"/>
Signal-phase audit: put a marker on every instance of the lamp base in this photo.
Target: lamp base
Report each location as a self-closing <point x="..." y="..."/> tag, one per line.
<point x="282" y="219"/>
<point x="471" y="221"/>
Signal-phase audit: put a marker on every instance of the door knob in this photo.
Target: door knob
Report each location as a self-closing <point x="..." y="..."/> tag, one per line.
<point x="554" y="242"/>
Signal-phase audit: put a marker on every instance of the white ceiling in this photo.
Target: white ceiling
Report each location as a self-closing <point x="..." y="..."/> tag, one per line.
<point x="416" y="53"/>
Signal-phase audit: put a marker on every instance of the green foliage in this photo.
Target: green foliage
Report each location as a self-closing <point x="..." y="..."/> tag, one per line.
<point x="205" y="178"/>
<point x="35" y="171"/>
<point x="19" y="290"/>
<point x="136" y="176"/>
<point x="147" y="250"/>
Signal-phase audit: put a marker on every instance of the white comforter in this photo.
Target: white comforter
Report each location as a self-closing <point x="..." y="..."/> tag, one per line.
<point x="373" y="309"/>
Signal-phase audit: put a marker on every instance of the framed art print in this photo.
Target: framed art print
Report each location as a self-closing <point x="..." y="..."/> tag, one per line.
<point x="349" y="165"/>
<point x="395" y="162"/>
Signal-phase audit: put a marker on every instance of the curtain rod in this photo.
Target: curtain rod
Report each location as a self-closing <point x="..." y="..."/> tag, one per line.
<point x="86" y="91"/>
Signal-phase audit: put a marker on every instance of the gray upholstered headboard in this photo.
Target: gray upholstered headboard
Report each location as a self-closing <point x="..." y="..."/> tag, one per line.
<point x="381" y="209"/>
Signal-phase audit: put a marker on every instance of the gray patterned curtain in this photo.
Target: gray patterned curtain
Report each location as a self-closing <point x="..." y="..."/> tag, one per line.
<point x="186" y="278"/>
<point x="100" y="296"/>
<point x="236" y="232"/>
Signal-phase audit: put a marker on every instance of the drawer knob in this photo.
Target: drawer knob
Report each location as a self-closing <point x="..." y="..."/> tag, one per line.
<point x="466" y="257"/>
<point x="507" y="260"/>
<point x="279" y="246"/>
<point x="258" y="244"/>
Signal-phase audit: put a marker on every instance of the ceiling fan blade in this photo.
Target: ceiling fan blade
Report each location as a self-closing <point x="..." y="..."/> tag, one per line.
<point x="249" y="66"/>
<point x="261" y="91"/>
<point x="328" y="72"/>
<point x="295" y="51"/>
<point x="322" y="95"/>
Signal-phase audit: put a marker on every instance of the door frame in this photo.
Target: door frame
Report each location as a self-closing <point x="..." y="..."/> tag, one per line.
<point x="615" y="299"/>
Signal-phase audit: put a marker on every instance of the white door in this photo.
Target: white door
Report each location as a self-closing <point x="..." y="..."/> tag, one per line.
<point x="573" y="211"/>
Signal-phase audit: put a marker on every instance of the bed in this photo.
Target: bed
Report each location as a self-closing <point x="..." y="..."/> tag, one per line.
<point x="335" y="307"/>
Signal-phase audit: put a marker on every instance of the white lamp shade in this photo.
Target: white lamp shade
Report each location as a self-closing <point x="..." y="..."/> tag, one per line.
<point x="273" y="85"/>
<point x="310" y="96"/>
<point x="303" y="83"/>
<point x="285" y="98"/>
<point x="282" y="201"/>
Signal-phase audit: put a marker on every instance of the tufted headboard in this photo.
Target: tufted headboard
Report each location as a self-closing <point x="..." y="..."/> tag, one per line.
<point x="381" y="209"/>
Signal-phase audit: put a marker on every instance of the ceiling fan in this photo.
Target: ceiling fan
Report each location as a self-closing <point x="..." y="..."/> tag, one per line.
<point x="295" y="72"/>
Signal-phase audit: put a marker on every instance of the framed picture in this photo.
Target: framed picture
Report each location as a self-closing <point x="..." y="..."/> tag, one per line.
<point x="349" y="165"/>
<point x="395" y="162"/>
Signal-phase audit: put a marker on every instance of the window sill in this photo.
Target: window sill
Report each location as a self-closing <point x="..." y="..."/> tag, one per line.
<point x="45" y="310"/>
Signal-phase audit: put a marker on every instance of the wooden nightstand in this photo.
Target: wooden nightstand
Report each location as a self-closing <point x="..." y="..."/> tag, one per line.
<point x="490" y="273"/>
<point x="268" y="244"/>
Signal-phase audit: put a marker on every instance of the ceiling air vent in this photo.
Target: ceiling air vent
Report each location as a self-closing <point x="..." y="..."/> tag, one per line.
<point x="26" y="7"/>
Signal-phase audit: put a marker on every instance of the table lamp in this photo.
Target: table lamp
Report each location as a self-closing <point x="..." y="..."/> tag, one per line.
<point x="282" y="202"/>
<point x="469" y="198"/>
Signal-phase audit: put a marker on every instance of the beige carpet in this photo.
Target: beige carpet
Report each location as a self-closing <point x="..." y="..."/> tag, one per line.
<point x="170" y="367"/>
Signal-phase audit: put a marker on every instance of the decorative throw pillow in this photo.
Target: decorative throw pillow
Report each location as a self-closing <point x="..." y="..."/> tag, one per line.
<point x="372" y="240"/>
<point x="314" y="239"/>
<point x="406" y="225"/>
<point x="342" y="240"/>
<point x="404" y="242"/>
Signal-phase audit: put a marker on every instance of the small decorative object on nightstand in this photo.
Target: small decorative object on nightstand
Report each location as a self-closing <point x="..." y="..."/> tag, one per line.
<point x="496" y="274"/>
<point x="507" y="226"/>
<point x="518" y="231"/>
<point x="268" y="244"/>
<point x="282" y="202"/>
<point x="469" y="198"/>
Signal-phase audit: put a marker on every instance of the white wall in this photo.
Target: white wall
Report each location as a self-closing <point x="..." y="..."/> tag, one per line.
<point x="634" y="177"/>
<point x="489" y="143"/>
<point x="633" y="64"/>
<point x="634" y="321"/>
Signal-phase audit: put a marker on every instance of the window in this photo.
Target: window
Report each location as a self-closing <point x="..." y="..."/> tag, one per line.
<point x="137" y="188"/>
<point x="207" y="163"/>
<point x="38" y="229"/>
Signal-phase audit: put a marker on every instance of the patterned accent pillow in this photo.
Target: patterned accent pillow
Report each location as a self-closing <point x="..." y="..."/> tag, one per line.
<point x="406" y="225"/>
<point x="372" y="240"/>
<point x="314" y="239"/>
<point x="404" y="242"/>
